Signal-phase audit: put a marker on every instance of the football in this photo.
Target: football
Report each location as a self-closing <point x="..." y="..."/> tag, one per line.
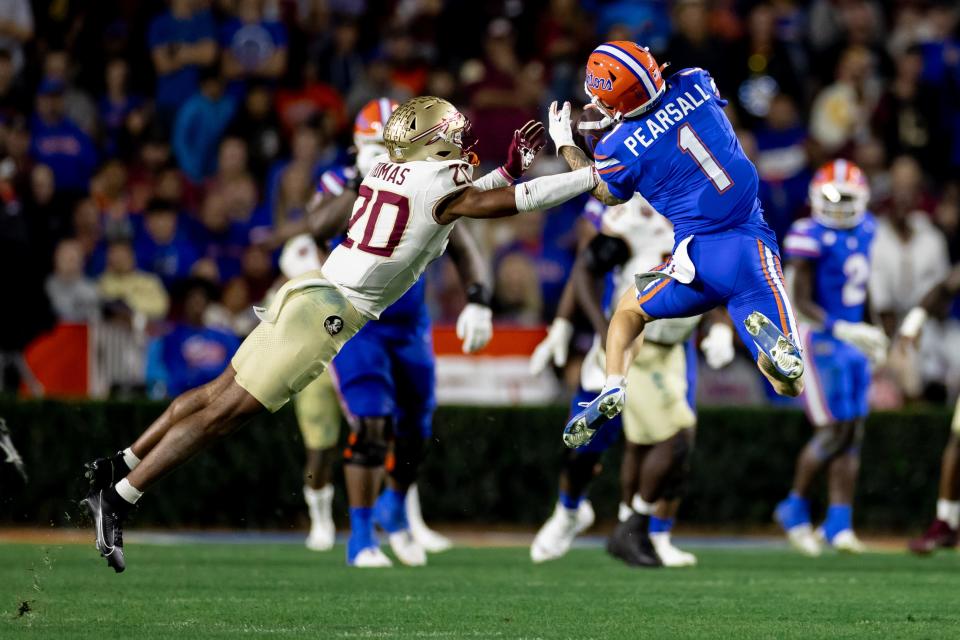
<point x="592" y="125"/>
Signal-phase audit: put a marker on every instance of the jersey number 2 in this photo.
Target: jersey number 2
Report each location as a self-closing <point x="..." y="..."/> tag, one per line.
<point x="857" y="270"/>
<point x="368" y="214"/>
<point x="691" y="144"/>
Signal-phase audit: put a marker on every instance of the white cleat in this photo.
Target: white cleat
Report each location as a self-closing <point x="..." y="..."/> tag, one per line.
<point x="371" y="558"/>
<point x="670" y="555"/>
<point x="802" y="539"/>
<point x="407" y="549"/>
<point x="426" y="537"/>
<point x="321" y="537"/>
<point x="845" y="541"/>
<point x="557" y="533"/>
<point x="323" y="533"/>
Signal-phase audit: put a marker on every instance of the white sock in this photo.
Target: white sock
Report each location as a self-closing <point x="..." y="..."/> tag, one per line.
<point x="130" y="458"/>
<point x="624" y="512"/>
<point x="128" y="492"/>
<point x="949" y="512"/>
<point x="318" y="500"/>
<point x="640" y="506"/>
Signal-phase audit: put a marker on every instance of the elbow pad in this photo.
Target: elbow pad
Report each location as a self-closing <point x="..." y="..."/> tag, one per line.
<point x="604" y="253"/>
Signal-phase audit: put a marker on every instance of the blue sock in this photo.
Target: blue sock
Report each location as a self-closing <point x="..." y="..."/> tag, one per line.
<point x="660" y="525"/>
<point x="390" y="511"/>
<point x="839" y="517"/>
<point x="793" y="511"/>
<point x="570" y="502"/>
<point x="361" y="531"/>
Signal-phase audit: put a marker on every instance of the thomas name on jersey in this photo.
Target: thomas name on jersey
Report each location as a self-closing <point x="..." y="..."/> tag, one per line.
<point x="668" y="115"/>
<point x="390" y="172"/>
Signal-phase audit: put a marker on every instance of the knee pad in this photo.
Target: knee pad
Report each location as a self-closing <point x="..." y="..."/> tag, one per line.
<point x="580" y="466"/>
<point x="367" y="444"/>
<point x="404" y="463"/>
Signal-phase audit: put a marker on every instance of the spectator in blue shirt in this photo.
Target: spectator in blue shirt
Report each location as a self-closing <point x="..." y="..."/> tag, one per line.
<point x="254" y="47"/>
<point x="164" y="246"/>
<point x="182" y="40"/>
<point x="192" y="354"/>
<point x="59" y="143"/>
<point x="200" y="125"/>
<point x="117" y="106"/>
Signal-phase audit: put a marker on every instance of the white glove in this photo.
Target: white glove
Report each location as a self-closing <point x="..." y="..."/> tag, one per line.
<point x="871" y="340"/>
<point x="475" y="326"/>
<point x="717" y="346"/>
<point x="560" y="131"/>
<point x="913" y="323"/>
<point x="554" y="346"/>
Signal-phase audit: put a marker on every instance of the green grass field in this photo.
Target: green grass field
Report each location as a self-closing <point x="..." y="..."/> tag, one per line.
<point x="284" y="591"/>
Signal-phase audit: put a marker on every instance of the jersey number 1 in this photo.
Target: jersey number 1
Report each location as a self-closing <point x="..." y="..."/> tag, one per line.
<point x="369" y="215"/>
<point x="691" y="144"/>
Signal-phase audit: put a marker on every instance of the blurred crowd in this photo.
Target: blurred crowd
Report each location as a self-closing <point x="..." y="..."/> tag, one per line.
<point x="148" y="150"/>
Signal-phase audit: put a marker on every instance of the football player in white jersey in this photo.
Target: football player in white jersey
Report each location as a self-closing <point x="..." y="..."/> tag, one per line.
<point x="400" y="223"/>
<point x="659" y="419"/>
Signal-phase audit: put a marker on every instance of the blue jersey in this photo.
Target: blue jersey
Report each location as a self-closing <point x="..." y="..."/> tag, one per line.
<point x="841" y="264"/>
<point x="411" y="308"/>
<point x="685" y="159"/>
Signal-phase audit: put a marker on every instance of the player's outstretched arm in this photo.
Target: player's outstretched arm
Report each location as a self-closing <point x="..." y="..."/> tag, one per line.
<point x="535" y="195"/>
<point x="562" y="135"/>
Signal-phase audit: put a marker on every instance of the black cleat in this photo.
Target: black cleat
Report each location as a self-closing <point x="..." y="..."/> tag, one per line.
<point x="630" y="542"/>
<point x="105" y="472"/>
<point x="108" y="526"/>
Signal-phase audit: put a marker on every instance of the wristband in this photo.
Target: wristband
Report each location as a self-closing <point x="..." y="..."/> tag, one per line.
<point x="477" y="293"/>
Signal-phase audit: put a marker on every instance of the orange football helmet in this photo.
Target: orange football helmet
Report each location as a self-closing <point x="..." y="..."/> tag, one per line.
<point x="371" y="120"/>
<point x="623" y="79"/>
<point x="839" y="193"/>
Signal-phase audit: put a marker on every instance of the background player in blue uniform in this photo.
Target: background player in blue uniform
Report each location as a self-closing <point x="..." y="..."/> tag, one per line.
<point x="828" y="266"/>
<point x="672" y="143"/>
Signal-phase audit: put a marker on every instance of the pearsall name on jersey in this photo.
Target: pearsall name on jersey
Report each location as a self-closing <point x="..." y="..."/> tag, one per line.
<point x="668" y="116"/>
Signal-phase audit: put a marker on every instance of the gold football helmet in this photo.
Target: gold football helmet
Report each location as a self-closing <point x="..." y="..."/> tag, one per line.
<point x="428" y="128"/>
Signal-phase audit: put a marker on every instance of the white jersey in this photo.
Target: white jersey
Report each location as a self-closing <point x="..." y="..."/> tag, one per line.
<point x="649" y="236"/>
<point x="392" y="235"/>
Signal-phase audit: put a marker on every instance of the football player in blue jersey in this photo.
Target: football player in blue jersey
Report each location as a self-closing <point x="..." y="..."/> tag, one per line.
<point x="672" y="143"/>
<point x="828" y="267"/>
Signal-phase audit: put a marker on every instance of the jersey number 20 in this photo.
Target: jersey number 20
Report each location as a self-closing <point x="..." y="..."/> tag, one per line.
<point x="691" y="144"/>
<point x="368" y="214"/>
